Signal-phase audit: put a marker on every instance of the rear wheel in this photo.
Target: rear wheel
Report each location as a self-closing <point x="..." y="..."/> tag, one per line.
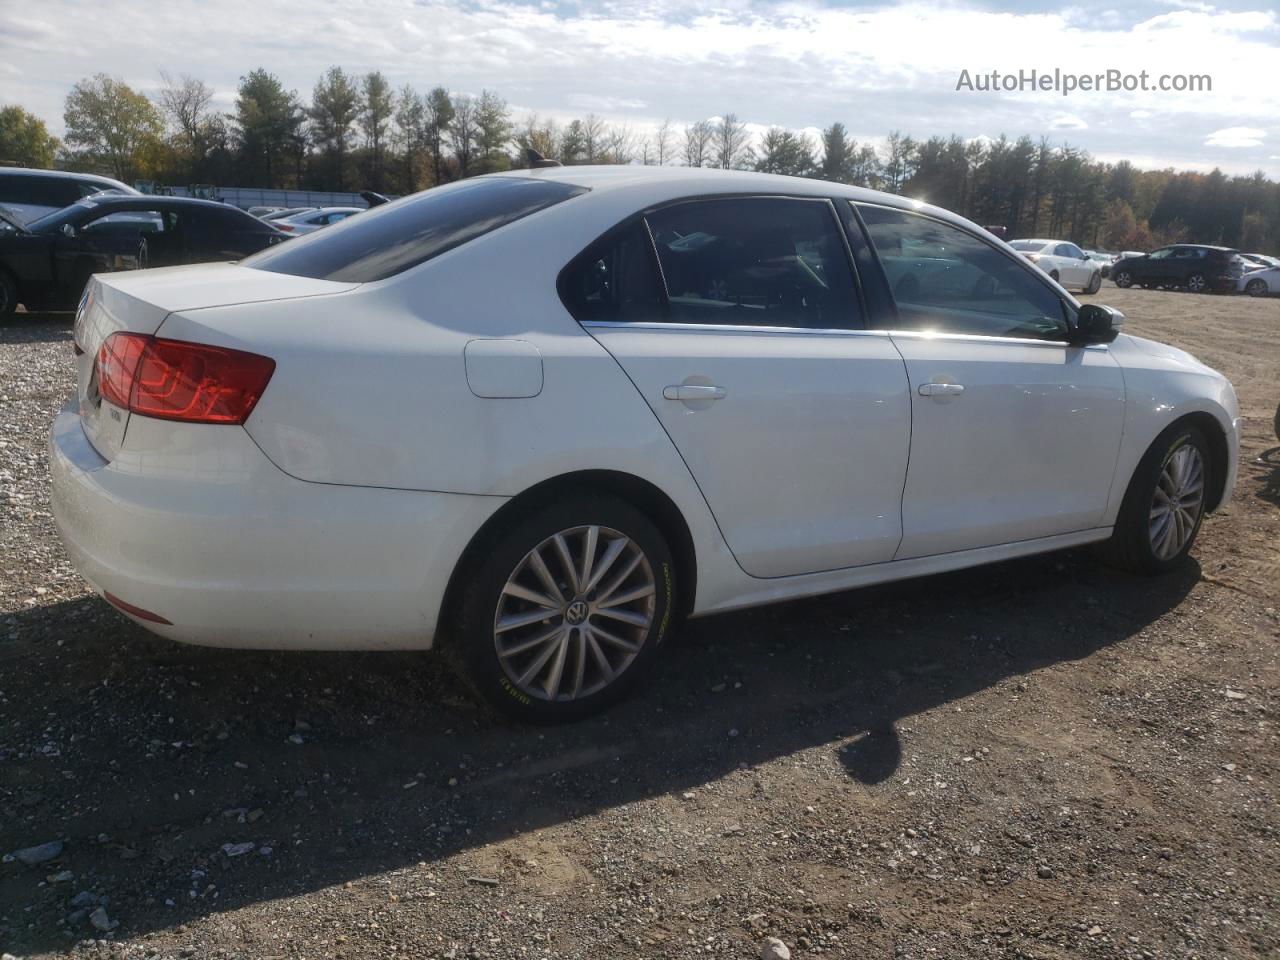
<point x="1123" y="279"/>
<point x="567" y="611"/>
<point x="1165" y="503"/>
<point x="8" y="297"/>
<point x="1197" y="283"/>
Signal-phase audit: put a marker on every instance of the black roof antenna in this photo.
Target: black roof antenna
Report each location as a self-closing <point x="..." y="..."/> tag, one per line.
<point x="537" y="161"/>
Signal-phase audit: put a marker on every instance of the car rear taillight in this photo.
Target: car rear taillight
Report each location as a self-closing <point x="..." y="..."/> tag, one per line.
<point x="283" y="226"/>
<point x="176" y="380"/>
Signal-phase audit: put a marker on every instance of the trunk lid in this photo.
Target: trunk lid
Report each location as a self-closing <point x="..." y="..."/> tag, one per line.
<point x="139" y="302"/>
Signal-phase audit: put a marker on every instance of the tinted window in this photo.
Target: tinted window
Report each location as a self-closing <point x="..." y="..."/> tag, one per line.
<point x="395" y="236"/>
<point x="615" y="280"/>
<point x="38" y="191"/>
<point x="766" y="261"/>
<point x="1029" y="245"/>
<point x="944" y="278"/>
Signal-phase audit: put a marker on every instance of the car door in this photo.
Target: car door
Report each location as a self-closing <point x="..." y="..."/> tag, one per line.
<point x="1015" y="434"/>
<point x="1076" y="272"/>
<point x="739" y="322"/>
<point x="1158" y="268"/>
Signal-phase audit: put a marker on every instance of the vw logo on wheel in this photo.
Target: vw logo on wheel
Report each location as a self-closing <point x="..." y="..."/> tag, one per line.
<point x="576" y="612"/>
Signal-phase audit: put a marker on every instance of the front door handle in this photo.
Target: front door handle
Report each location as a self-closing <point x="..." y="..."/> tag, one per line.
<point x="693" y="391"/>
<point x="941" y="389"/>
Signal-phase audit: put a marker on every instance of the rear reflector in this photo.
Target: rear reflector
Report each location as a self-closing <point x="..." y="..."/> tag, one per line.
<point x="176" y="380"/>
<point x="133" y="611"/>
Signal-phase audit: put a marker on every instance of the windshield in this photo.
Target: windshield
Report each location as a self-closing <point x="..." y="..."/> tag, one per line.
<point x="395" y="236"/>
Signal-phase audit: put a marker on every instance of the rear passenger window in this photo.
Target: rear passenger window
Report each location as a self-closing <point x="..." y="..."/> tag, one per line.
<point x="615" y="280"/>
<point x="946" y="279"/>
<point x="755" y="261"/>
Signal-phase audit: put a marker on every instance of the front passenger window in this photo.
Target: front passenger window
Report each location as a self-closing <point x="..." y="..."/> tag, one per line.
<point x="946" y="279"/>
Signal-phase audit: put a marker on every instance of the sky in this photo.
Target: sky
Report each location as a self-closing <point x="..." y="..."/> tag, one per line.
<point x="800" y="64"/>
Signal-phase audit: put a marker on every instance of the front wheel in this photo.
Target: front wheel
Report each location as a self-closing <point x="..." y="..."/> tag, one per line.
<point x="567" y="610"/>
<point x="1095" y="284"/>
<point x="1162" y="509"/>
<point x="1124" y="279"/>
<point x="1257" y="288"/>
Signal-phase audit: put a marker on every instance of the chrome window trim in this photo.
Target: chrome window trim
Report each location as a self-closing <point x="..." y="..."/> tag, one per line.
<point x="742" y="329"/>
<point x="659" y="326"/>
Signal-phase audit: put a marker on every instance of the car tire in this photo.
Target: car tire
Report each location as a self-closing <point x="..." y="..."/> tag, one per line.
<point x="144" y="254"/>
<point x="1123" y="279"/>
<point x="579" y="658"/>
<point x="8" y="297"/>
<point x="1198" y="283"/>
<point x="1256" y="288"/>
<point x="1164" y="504"/>
<point x="1053" y="275"/>
<point x="1095" y="284"/>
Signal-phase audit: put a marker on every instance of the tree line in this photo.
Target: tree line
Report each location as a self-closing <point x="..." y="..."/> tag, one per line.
<point x="357" y="132"/>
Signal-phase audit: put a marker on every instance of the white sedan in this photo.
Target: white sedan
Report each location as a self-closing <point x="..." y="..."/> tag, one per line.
<point x="537" y="417"/>
<point x="1063" y="262"/>
<point x="1263" y="282"/>
<point x="308" y="221"/>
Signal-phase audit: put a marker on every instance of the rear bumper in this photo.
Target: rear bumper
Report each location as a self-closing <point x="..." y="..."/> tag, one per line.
<point x="193" y="523"/>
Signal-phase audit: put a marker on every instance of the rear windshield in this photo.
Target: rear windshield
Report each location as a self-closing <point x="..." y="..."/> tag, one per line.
<point x="381" y="242"/>
<point x="1027" y="244"/>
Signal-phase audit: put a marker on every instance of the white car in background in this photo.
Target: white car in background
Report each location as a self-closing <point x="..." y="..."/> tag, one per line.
<point x="539" y="416"/>
<point x="1262" y="282"/>
<point x="1063" y="262"/>
<point x="312" y="220"/>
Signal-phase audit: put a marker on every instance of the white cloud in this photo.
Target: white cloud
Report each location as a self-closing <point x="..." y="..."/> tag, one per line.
<point x="1236" y="137"/>
<point x="1140" y="114"/>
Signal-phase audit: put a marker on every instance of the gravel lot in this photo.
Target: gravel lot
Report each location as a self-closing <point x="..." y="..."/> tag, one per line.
<point x="1042" y="759"/>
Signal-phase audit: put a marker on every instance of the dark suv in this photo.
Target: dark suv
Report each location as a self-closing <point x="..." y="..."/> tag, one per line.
<point x="1196" y="266"/>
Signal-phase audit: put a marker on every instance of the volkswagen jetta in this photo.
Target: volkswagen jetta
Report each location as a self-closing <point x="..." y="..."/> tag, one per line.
<point x="536" y="417"/>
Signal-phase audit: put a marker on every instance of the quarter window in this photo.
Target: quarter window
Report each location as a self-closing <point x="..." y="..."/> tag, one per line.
<point x="945" y="279"/>
<point x="757" y="261"/>
<point x="615" y="280"/>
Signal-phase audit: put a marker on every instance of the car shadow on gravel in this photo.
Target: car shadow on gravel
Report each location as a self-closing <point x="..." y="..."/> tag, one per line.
<point x="37" y="328"/>
<point x="185" y="782"/>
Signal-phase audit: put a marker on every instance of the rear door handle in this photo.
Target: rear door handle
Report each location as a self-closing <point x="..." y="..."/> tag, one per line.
<point x="941" y="389"/>
<point x="693" y="391"/>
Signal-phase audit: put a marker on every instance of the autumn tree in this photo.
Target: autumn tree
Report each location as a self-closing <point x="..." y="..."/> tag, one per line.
<point x="376" y="107"/>
<point x="110" y="123"/>
<point x="25" y="140"/>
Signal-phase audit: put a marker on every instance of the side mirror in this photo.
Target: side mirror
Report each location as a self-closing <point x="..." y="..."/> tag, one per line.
<point x="68" y="230"/>
<point x="1096" y="324"/>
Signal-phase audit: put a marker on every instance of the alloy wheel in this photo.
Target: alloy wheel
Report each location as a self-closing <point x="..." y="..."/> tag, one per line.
<point x="1256" y="288"/>
<point x="1196" y="283"/>
<point x="1123" y="278"/>
<point x="1177" y="502"/>
<point x="574" y="613"/>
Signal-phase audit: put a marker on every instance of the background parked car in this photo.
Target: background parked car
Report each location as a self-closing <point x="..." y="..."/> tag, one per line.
<point x="1197" y="267"/>
<point x="1260" y="283"/>
<point x="262" y="212"/>
<point x="315" y="219"/>
<point x="1063" y="261"/>
<point x="1258" y="261"/>
<point x="31" y="194"/>
<point x="1103" y="260"/>
<point x="44" y="264"/>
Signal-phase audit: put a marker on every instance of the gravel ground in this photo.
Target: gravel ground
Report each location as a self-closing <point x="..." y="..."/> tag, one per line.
<point x="1042" y="759"/>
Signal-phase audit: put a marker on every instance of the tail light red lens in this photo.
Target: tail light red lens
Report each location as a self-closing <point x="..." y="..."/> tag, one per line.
<point x="176" y="380"/>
